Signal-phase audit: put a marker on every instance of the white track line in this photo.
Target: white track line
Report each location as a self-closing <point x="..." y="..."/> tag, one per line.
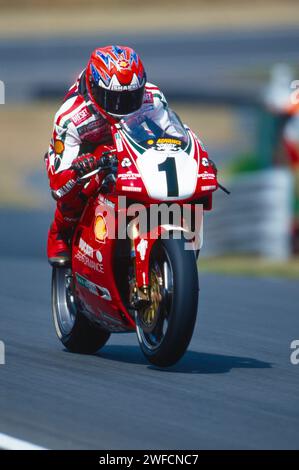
<point x="11" y="443"/>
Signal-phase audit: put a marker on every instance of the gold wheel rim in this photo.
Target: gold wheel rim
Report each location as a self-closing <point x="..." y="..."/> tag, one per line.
<point x="150" y="313"/>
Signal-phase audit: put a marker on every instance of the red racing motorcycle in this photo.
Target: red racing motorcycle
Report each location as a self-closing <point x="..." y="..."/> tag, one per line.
<point x="132" y="269"/>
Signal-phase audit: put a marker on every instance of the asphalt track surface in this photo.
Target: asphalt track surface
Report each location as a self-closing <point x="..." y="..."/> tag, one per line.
<point x="180" y="63"/>
<point x="235" y="387"/>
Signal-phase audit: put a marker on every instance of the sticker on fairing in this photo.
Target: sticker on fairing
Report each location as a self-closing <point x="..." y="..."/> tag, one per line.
<point x="58" y="146"/>
<point x="118" y="141"/>
<point x="100" y="291"/>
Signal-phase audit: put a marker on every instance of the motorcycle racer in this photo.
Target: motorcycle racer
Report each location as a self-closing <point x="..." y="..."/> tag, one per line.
<point x="111" y="86"/>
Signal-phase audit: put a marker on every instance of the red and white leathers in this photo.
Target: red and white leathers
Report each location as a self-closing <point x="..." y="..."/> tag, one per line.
<point x="80" y="125"/>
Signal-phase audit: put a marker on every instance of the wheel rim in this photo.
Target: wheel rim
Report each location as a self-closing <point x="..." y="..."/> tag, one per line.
<point x="152" y="324"/>
<point x="64" y="304"/>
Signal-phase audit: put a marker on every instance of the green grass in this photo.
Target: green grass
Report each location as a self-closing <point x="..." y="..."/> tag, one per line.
<point x="243" y="164"/>
<point x="251" y="266"/>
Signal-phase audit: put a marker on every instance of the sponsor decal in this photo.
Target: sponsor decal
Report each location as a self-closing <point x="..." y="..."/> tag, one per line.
<point x="123" y="64"/>
<point x="208" y="188"/>
<point x="119" y="144"/>
<point x="129" y="176"/>
<point x="205" y="161"/>
<point x="79" y="117"/>
<point x="85" y="256"/>
<point x="58" y="146"/>
<point x="150" y="142"/>
<point x="100" y="228"/>
<point x="142" y="247"/>
<point x="65" y="189"/>
<point x="126" y="162"/>
<point x="131" y="188"/>
<point x="169" y="141"/>
<point x="132" y="86"/>
<point x="91" y="264"/>
<point x="169" y="145"/>
<point x="100" y="291"/>
<point x="94" y="131"/>
<point x="148" y="97"/>
<point x="206" y="175"/>
<point x="85" y="248"/>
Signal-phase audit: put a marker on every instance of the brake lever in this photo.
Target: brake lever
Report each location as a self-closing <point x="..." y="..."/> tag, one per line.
<point x="223" y="188"/>
<point x="107" y="161"/>
<point x="88" y="175"/>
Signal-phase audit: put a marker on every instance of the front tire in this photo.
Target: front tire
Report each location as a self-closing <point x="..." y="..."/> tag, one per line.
<point x="73" y="329"/>
<point x="164" y="330"/>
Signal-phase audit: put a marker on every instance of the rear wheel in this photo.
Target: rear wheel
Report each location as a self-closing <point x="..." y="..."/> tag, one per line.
<point x="73" y="329"/>
<point x="165" y="328"/>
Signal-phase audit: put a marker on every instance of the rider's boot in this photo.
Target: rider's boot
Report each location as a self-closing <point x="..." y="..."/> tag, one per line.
<point x="59" y="239"/>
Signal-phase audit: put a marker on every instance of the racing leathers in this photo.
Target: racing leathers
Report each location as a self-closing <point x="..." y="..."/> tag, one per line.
<point x="79" y="127"/>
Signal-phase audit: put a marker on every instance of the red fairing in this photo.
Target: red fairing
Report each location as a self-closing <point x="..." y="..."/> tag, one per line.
<point x="128" y="178"/>
<point x="93" y="255"/>
<point x="207" y="178"/>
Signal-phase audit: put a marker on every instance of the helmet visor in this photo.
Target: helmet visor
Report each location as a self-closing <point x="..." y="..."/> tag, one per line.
<point x="118" y="102"/>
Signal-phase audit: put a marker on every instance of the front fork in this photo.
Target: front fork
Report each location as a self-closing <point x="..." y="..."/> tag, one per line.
<point x="141" y="247"/>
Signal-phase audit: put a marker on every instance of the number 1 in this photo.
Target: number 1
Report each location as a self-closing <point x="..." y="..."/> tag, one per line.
<point x="169" y="167"/>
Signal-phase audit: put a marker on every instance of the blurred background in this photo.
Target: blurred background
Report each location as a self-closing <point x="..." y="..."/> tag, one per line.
<point x="225" y="66"/>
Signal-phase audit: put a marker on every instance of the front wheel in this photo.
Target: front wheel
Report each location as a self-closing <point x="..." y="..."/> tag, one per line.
<point x="164" y="329"/>
<point x="73" y="329"/>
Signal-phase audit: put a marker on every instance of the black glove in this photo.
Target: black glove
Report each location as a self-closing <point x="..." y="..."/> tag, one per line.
<point x="84" y="164"/>
<point x="108" y="160"/>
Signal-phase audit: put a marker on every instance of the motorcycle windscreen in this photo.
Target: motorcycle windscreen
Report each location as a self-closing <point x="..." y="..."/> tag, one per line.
<point x="156" y="127"/>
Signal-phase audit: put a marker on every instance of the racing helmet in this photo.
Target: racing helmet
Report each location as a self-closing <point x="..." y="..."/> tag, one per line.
<point x="115" y="80"/>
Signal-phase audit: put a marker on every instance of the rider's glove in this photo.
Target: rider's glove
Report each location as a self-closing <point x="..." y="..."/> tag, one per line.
<point x="84" y="164"/>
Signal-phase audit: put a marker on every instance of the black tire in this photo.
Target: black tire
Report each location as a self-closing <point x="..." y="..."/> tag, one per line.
<point x="73" y="329"/>
<point x="178" y="309"/>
